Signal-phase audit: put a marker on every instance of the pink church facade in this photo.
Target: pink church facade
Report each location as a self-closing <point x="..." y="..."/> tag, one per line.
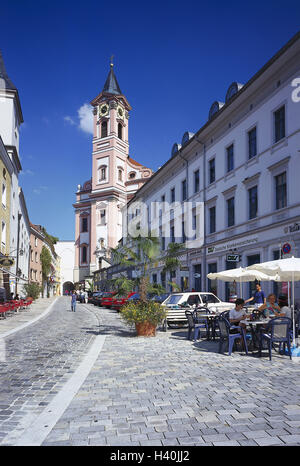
<point x="115" y="179"/>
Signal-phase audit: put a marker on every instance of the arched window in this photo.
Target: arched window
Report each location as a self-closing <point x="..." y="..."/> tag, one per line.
<point x="120" y="174"/>
<point x="104" y="129"/>
<point x="120" y="131"/>
<point x="84" y="254"/>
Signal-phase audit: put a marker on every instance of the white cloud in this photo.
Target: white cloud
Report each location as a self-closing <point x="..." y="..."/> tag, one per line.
<point x="85" y="114"/>
<point x="69" y="120"/>
<point x="40" y="189"/>
<point x="27" y="172"/>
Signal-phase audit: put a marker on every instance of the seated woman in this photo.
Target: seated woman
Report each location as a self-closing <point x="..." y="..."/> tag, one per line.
<point x="283" y="304"/>
<point x="271" y="308"/>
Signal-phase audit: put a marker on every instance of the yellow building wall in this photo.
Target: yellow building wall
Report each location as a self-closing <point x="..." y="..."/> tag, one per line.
<point x="5" y="207"/>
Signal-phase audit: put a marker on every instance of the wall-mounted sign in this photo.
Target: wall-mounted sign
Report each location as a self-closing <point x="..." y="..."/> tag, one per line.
<point x="286" y="248"/>
<point x="233" y="257"/>
<point x="6" y="261"/>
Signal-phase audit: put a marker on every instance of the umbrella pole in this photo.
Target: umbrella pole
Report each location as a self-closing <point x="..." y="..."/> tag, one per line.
<point x="293" y="308"/>
<point x="241" y="290"/>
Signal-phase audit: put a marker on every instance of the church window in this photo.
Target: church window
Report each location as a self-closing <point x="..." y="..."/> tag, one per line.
<point x="120" y="131"/>
<point x="102" y="217"/>
<point x="84" y="225"/>
<point x="132" y="175"/>
<point x="102" y="173"/>
<point x="120" y="174"/>
<point x="104" y="129"/>
<point x="84" y="254"/>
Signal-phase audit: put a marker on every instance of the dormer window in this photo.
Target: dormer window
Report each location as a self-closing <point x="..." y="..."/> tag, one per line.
<point x="120" y="131"/>
<point x="104" y="129"/>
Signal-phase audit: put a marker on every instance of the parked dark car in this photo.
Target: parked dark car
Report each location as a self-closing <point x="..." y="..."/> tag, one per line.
<point x="95" y="297"/>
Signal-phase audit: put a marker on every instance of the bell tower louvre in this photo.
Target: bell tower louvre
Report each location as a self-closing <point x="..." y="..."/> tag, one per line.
<point x="115" y="179"/>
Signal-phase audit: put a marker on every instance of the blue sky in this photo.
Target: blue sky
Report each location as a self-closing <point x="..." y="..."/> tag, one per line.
<point x="172" y="60"/>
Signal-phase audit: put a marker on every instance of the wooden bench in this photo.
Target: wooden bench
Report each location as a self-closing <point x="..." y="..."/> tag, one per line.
<point x="175" y="316"/>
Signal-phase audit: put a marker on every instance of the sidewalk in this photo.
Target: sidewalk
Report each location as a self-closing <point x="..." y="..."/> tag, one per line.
<point x="17" y="320"/>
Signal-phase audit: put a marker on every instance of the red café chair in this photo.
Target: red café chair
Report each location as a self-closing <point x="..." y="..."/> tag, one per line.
<point x="3" y="310"/>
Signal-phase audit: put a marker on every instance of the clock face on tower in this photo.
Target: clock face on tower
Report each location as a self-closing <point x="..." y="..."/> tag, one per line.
<point x="120" y="112"/>
<point x="103" y="110"/>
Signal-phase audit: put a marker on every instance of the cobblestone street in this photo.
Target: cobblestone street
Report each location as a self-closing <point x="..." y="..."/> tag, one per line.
<point x="140" y="391"/>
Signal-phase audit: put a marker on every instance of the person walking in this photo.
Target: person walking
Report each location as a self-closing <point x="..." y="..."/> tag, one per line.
<point x="73" y="301"/>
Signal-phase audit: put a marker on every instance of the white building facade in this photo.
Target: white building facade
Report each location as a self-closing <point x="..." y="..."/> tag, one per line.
<point x="241" y="169"/>
<point x="66" y="251"/>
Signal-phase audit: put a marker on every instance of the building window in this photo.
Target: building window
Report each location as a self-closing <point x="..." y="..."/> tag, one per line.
<point x="36" y="257"/>
<point x="279" y="123"/>
<point x="281" y="192"/>
<point x="102" y="217"/>
<point x="4" y="195"/>
<point x="196" y="181"/>
<point x="84" y="255"/>
<point x="36" y="242"/>
<point x="212" y="171"/>
<point x="154" y="278"/>
<point x="252" y="196"/>
<point x="104" y="129"/>
<point x="120" y="174"/>
<point x="173" y="195"/>
<point x="120" y="131"/>
<point x="212" y="219"/>
<point x="172" y="231"/>
<point x="212" y="284"/>
<point x="230" y="212"/>
<point x="183" y="231"/>
<point x="183" y="190"/>
<point x="230" y="161"/>
<point x="131" y="175"/>
<point x="3" y="237"/>
<point x="252" y="144"/>
<point x="84" y="225"/>
<point x="102" y="173"/>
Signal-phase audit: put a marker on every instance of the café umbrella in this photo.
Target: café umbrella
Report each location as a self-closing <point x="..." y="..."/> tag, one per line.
<point x="282" y="270"/>
<point x="240" y="274"/>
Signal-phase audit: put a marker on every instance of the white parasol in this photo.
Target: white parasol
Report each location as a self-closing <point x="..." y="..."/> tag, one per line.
<point x="240" y="274"/>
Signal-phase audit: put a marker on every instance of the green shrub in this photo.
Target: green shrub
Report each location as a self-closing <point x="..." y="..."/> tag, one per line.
<point x="32" y="290"/>
<point x="135" y="313"/>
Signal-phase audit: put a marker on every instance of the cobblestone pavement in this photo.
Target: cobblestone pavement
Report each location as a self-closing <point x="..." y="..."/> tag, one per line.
<point x="38" y="361"/>
<point x="146" y="391"/>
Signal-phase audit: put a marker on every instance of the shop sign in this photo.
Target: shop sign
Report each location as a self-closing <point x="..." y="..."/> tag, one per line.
<point x="233" y="257"/>
<point x="6" y="261"/>
<point x="292" y="228"/>
<point x="239" y="243"/>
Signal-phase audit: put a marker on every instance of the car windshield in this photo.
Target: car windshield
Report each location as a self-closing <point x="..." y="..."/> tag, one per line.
<point x="209" y="298"/>
<point x="174" y="299"/>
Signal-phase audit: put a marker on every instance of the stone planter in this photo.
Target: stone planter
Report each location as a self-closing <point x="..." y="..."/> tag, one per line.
<point x="145" y="329"/>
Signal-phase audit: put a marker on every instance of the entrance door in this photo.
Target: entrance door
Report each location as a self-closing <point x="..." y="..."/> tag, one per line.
<point x="197" y="277"/>
<point x="230" y="287"/>
<point x="251" y="260"/>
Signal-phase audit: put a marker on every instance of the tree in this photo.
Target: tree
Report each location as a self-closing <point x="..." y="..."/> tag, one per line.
<point x="46" y="260"/>
<point x="141" y="254"/>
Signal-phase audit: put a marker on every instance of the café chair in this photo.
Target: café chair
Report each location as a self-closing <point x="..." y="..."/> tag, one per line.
<point x="226" y="335"/>
<point x="277" y="331"/>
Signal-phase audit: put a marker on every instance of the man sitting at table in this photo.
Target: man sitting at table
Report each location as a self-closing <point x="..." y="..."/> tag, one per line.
<point x="237" y="313"/>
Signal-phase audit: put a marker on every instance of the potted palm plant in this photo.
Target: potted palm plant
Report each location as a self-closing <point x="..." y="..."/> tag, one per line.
<point x="140" y="255"/>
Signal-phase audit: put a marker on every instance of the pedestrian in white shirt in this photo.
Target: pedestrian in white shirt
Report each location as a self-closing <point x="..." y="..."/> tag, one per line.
<point x="237" y="313"/>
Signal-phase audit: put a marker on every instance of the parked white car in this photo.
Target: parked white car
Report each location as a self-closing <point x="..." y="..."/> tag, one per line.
<point x="209" y="300"/>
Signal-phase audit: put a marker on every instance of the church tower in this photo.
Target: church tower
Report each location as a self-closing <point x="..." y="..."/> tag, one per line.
<point x="115" y="178"/>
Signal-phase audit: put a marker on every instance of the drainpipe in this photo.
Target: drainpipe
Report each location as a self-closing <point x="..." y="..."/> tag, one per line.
<point x="203" y="270"/>
<point x="187" y="191"/>
<point x="18" y="243"/>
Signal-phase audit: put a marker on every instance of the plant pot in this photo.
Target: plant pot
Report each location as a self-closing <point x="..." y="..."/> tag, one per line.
<point x="145" y="329"/>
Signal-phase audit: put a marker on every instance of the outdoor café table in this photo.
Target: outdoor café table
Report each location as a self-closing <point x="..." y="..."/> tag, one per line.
<point x="211" y="320"/>
<point x="256" y="326"/>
